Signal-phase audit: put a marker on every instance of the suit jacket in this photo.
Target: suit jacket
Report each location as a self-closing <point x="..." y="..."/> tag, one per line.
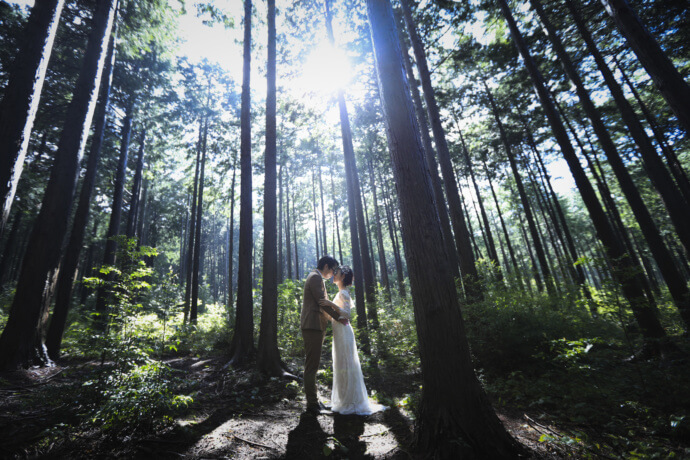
<point x="313" y="315"/>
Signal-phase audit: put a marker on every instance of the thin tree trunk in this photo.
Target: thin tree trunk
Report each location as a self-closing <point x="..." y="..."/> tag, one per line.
<point x="22" y="338"/>
<point x="511" y="251"/>
<point x="115" y="214"/>
<point x="288" y="245"/>
<point x="673" y="200"/>
<point x="192" y="227"/>
<point x="674" y="280"/>
<point x="242" y="346"/>
<point x="666" y="77"/>
<point x="379" y="238"/>
<point x="281" y="271"/>
<point x="536" y="240"/>
<point x="323" y="212"/>
<point x="196" y="264"/>
<point x="676" y="167"/>
<point x="21" y="96"/>
<point x="136" y="188"/>
<point x="231" y="238"/>
<point x="396" y="247"/>
<point x="491" y="248"/>
<point x="445" y="414"/>
<point x="644" y="314"/>
<point x="360" y="266"/>
<point x="337" y="224"/>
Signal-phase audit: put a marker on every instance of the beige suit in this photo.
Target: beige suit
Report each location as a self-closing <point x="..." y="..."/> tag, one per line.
<point x="313" y="322"/>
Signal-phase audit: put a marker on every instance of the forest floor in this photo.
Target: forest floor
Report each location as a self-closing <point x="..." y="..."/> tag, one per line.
<point x="242" y="414"/>
<point x="235" y="414"/>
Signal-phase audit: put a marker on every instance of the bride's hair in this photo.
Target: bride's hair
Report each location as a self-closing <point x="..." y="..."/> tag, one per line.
<point x="348" y="275"/>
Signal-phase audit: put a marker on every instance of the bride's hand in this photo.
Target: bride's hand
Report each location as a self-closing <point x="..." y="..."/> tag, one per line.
<point x="344" y="321"/>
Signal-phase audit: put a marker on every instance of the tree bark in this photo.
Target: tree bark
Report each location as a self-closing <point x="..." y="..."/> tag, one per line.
<point x="136" y="188"/>
<point x="674" y="279"/>
<point x="21" y="96"/>
<point x="268" y="355"/>
<point x="242" y="347"/>
<point x="644" y="314"/>
<point x="192" y="227"/>
<point x="70" y="259"/>
<point x="536" y="240"/>
<point x="673" y="200"/>
<point x="115" y="214"/>
<point x="430" y="156"/>
<point x="21" y="340"/>
<point x="360" y="265"/>
<point x="196" y="263"/>
<point x="379" y="237"/>
<point x="470" y="280"/>
<point x="445" y="415"/>
<point x="666" y="77"/>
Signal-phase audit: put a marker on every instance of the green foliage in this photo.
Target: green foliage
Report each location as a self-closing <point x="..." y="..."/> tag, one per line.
<point x="141" y="398"/>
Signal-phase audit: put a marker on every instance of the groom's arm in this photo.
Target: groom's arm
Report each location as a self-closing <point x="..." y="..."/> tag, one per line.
<point x="318" y="290"/>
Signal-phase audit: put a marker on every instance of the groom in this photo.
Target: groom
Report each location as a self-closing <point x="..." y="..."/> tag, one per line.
<point x="313" y="322"/>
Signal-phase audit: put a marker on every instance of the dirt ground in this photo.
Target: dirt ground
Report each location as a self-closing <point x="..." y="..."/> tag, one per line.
<point x="235" y="414"/>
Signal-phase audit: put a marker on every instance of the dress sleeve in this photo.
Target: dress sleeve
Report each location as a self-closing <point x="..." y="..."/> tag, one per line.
<point x="347" y="303"/>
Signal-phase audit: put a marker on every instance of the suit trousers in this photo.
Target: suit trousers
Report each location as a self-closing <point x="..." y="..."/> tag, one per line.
<point x="313" y="341"/>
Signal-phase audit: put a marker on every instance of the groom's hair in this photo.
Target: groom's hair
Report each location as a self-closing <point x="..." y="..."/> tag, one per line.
<point x="327" y="260"/>
<point x="348" y="275"/>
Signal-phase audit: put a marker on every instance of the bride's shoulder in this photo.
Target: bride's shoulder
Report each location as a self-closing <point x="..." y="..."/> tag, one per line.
<point x="345" y="293"/>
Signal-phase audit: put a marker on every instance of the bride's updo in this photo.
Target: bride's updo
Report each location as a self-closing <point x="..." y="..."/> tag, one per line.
<point x="348" y="275"/>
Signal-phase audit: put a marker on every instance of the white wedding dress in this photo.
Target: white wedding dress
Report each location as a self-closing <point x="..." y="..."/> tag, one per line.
<point x="349" y="395"/>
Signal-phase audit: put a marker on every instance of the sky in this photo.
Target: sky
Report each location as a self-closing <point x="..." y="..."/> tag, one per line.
<point x="323" y="71"/>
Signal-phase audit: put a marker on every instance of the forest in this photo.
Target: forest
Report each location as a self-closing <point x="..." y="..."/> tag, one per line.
<point x="508" y="180"/>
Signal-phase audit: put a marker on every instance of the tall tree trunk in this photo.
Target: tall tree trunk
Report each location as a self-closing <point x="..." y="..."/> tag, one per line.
<point x="445" y="415"/>
<point x="288" y="245"/>
<point x="511" y="251"/>
<point x="491" y="245"/>
<point x="294" y="234"/>
<point x="22" y="339"/>
<point x="70" y="259"/>
<point x="666" y="77"/>
<point x="21" y="95"/>
<point x="430" y="156"/>
<point x="281" y="271"/>
<point x="536" y="240"/>
<point x="361" y="267"/>
<point x="10" y="248"/>
<point x="337" y="224"/>
<point x="470" y="277"/>
<point x="231" y="238"/>
<point x="323" y="211"/>
<point x="673" y="200"/>
<point x="192" y="226"/>
<point x="242" y="347"/>
<point x="644" y="314"/>
<point x="677" y="170"/>
<point x="674" y="279"/>
<point x="379" y="237"/>
<point x="136" y="188"/>
<point x="396" y="248"/>
<point x="316" y="218"/>
<point x="561" y="216"/>
<point x="115" y="214"/>
<point x="196" y="263"/>
<point x="268" y="356"/>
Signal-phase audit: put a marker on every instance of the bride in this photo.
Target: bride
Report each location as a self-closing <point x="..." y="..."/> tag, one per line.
<point x="349" y="395"/>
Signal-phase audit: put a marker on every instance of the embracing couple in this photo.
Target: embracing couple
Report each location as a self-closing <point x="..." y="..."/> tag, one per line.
<point x="349" y="394"/>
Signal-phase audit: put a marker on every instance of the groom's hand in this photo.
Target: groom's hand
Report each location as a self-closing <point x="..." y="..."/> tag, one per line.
<point x="344" y="321"/>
